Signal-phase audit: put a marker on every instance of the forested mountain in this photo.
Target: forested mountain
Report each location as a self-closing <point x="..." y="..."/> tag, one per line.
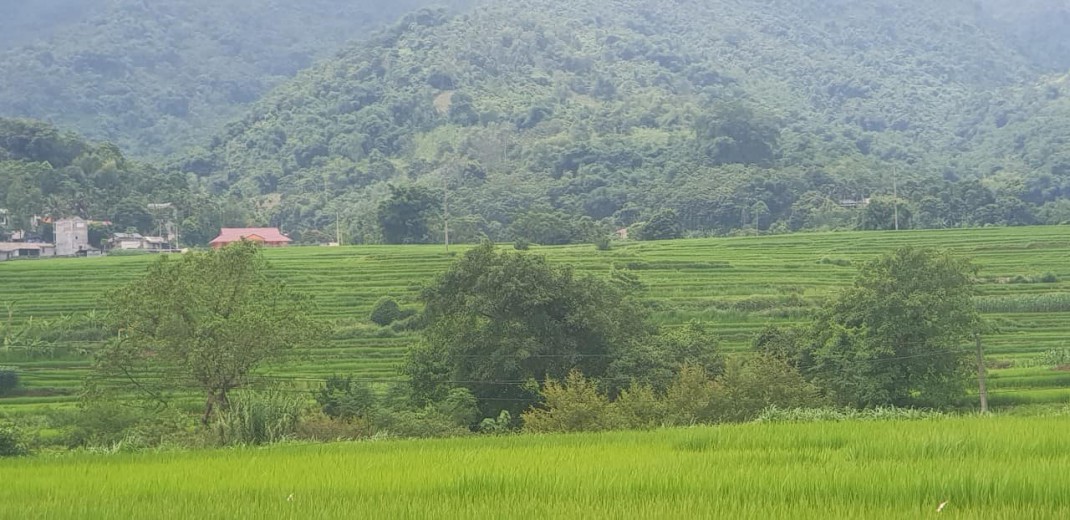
<point x="551" y="120"/>
<point x="554" y="121"/>
<point x="45" y="172"/>
<point x="155" y="77"/>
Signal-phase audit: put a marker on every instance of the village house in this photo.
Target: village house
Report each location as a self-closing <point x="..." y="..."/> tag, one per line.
<point x="270" y="237"/>
<point x="13" y="250"/>
<point x="72" y="237"/>
<point x="138" y="242"/>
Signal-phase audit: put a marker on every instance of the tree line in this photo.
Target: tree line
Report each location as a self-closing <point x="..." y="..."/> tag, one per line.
<point x="506" y="341"/>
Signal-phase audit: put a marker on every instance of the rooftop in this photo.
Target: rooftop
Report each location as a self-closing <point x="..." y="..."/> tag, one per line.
<point x="270" y="235"/>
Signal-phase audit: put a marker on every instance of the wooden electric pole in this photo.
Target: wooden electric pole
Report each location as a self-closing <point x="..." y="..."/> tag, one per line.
<point x="895" y="195"/>
<point x="446" y="208"/>
<point x="981" y="386"/>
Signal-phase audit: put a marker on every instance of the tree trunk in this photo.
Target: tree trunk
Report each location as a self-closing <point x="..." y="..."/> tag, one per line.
<point x="209" y="407"/>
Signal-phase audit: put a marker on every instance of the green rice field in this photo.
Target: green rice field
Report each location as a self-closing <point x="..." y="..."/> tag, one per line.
<point x="735" y="285"/>
<point x="978" y="467"/>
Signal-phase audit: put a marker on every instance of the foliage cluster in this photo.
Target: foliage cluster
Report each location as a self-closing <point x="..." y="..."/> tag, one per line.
<point x="740" y="394"/>
<point x="154" y="78"/>
<point x="550" y="122"/>
<point x="9" y="380"/>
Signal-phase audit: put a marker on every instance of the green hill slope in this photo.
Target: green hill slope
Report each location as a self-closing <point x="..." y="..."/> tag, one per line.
<point x="155" y="77"/>
<point x="735" y="114"/>
<point x="737" y="286"/>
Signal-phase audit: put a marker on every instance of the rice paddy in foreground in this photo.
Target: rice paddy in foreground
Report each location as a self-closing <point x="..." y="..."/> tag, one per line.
<point x="989" y="468"/>
<point x="735" y="285"/>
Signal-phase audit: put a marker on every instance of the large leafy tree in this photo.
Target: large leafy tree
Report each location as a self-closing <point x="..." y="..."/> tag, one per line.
<point x="898" y="336"/>
<point x="404" y="217"/>
<point x="203" y="323"/>
<point x="499" y="323"/>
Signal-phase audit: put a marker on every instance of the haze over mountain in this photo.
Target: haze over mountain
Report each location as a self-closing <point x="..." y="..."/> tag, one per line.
<point x="156" y="77"/>
<point x="557" y="121"/>
<point x="734" y="113"/>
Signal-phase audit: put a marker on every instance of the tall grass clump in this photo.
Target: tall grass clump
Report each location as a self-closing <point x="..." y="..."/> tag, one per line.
<point x="774" y="414"/>
<point x="256" y="418"/>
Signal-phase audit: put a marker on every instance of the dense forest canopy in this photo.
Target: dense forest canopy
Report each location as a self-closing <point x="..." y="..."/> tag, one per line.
<point x="553" y="122"/>
<point x="735" y="114"/>
<point x="154" y="77"/>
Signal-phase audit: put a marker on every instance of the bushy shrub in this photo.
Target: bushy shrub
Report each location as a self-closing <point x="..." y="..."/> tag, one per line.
<point x="689" y="399"/>
<point x="575" y="405"/>
<point x="747" y="388"/>
<point x="640" y="408"/>
<point x="11" y="442"/>
<point x="603" y="244"/>
<point x="9" y="380"/>
<point x="344" y="398"/>
<point x="420" y="424"/>
<point x="692" y="344"/>
<point x="321" y="428"/>
<point x="103" y="424"/>
<point x="460" y="407"/>
<point x="385" y="311"/>
<point x="497" y="426"/>
<point x="255" y="418"/>
<point x="521" y="244"/>
<point x="1049" y="278"/>
<point x="1055" y="358"/>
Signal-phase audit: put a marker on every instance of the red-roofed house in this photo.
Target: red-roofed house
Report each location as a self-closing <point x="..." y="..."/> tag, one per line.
<point x="270" y="237"/>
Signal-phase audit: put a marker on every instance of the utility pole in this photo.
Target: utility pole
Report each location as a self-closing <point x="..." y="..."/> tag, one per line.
<point x="982" y="388"/>
<point x="895" y="195"/>
<point x="446" y="207"/>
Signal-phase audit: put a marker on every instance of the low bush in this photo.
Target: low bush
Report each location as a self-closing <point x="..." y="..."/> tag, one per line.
<point x="603" y="244"/>
<point x="11" y="442"/>
<point x="385" y="311"/>
<point x="774" y="414"/>
<point x="426" y="423"/>
<point x="574" y="405"/>
<point x="521" y="245"/>
<point x="343" y="398"/>
<point x="840" y="262"/>
<point x="497" y="426"/>
<point x="748" y="388"/>
<point x="321" y="428"/>
<point x="9" y="380"/>
<point x="1048" y="277"/>
<point x="102" y="424"/>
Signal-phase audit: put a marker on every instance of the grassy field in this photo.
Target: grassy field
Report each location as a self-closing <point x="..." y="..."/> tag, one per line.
<point x="736" y="285"/>
<point x="811" y="470"/>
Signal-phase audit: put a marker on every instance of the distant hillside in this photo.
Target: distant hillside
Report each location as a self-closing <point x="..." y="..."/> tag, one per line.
<point x="48" y="173"/>
<point x="156" y="77"/>
<point x="736" y="114"/>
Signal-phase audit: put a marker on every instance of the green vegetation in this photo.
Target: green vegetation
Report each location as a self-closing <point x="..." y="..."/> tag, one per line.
<point x="553" y="121"/>
<point x="981" y="467"/>
<point x="204" y="322"/>
<point x="498" y="320"/>
<point x="896" y="336"/>
<point x="156" y="78"/>
<point x="735" y="287"/>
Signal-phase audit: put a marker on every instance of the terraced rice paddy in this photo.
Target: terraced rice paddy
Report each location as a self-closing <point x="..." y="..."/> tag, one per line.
<point x="799" y="471"/>
<point x="736" y="285"/>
